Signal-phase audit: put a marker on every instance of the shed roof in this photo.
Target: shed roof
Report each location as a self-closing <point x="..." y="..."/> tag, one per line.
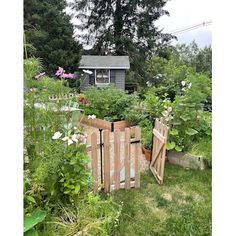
<point x="104" y="62"/>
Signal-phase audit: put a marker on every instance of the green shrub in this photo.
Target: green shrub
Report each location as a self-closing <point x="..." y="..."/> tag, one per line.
<point x="108" y="103"/>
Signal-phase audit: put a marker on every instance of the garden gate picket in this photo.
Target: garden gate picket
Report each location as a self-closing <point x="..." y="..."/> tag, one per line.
<point x="157" y="165"/>
<point x="132" y="136"/>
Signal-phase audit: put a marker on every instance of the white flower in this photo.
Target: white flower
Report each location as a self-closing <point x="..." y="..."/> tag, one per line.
<point x="66" y="138"/>
<point x="190" y="85"/>
<point x="69" y="142"/>
<point x="183" y="83"/>
<point x="57" y="135"/>
<point x="74" y="138"/>
<point x="91" y="117"/>
<point x="88" y="72"/>
<point x="169" y="109"/>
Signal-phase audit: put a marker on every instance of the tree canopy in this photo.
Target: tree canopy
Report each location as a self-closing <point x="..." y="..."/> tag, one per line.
<point x="49" y="35"/>
<point x="123" y="27"/>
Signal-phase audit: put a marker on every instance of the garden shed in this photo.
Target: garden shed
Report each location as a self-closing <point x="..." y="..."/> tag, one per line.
<point x="103" y="70"/>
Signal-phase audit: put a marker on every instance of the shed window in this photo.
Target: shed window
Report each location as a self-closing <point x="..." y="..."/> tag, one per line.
<point x="102" y="76"/>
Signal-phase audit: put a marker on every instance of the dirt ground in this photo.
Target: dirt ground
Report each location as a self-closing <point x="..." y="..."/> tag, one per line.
<point x="143" y="163"/>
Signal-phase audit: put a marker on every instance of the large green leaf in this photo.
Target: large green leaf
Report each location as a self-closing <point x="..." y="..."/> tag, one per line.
<point x="178" y="148"/>
<point x="174" y="132"/>
<point x="191" y="131"/>
<point x="170" y="145"/>
<point x="36" y="217"/>
<point x="31" y="232"/>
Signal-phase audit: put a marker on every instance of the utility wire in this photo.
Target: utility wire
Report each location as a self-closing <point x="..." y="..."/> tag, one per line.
<point x="189" y="28"/>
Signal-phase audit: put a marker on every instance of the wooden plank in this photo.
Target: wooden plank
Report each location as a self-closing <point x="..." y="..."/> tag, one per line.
<point x="137" y="132"/>
<point x="106" y="135"/>
<point x="127" y="158"/>
<point x="89" y="147"/>
<point x="158" y="163"/>
<point x="158" y="134"/>
<point x="158" y="143"/>
<point x="120" y="124"/>
<point x="97" y="123"/>
<point x="156" y="153"/>
<point x="122" y="185"/>
<point x="163" y="158"/>
<point x="94" y="161"/>
<point x="117" y="158"/>
<point x="155" y="175"/>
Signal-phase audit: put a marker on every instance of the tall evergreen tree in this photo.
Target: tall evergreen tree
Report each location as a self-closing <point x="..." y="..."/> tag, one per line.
<point x="123" y="27"/>
<point x="49" y="31"/>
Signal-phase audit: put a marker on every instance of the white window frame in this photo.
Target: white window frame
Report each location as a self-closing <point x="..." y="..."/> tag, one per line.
<point x="109" y="77"/>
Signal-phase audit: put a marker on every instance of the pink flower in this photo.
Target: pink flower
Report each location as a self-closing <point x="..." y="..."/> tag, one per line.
<point x="60" y="71"/>
<point x="67" y="76"/>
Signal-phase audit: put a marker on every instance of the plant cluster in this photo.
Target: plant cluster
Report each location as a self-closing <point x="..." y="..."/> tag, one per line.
<point x="180" y="96"/>
<point x="107" y="103"/>
<point x="56" y="171"/>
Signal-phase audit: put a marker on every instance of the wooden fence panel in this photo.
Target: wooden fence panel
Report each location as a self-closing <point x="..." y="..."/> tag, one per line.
<point x="113" y="159"/>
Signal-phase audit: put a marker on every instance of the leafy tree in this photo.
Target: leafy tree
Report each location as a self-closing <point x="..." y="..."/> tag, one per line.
<point x="124" y="27"/>
<point x="49" y="32"/>
<point x="199" y="59"/>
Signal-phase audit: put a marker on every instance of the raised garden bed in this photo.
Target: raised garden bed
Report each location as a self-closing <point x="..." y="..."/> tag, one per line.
<point x="104" y="124"/>
<point x="186" y="160"/>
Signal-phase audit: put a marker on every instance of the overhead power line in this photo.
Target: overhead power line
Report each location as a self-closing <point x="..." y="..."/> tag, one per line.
<point x="189" y="28"/>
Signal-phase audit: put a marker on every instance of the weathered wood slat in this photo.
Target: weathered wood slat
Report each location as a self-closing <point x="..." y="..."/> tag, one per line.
<point x="106" y="160"/>
<point x="157" y="165"/>
<point x="127" y="158"/>
<point x="159" y="135"/>
<point x="137" y="133"/>
<point x="117" y="158"/>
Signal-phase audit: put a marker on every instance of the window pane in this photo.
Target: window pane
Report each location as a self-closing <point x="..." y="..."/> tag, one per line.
<point x="102" y="76"/>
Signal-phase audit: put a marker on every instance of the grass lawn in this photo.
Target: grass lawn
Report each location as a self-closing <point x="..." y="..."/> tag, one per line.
<point x="181" y="207"/>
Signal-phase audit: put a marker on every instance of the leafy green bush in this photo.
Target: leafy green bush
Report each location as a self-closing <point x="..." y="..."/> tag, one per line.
<point x="108" y="103"/>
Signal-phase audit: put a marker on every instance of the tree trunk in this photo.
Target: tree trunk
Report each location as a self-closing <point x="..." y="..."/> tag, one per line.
<point x="118" y="28"/>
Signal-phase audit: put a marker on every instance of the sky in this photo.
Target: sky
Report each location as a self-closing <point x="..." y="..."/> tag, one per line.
<point x="184" y="13"/>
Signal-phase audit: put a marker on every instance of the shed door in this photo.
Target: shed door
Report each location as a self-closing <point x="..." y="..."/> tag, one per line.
<point x="92" y="78"/>
<point x="113" y="76"/>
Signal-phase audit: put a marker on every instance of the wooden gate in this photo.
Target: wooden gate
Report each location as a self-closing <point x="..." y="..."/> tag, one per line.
<point x="157" y="165"/>
<point x="112" y="165"/>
